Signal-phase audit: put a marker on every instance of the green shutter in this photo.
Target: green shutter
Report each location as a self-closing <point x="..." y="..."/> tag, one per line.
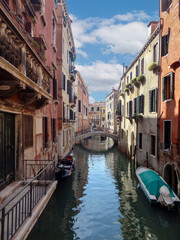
<point x="162" y="46"/>
<point x="142" y="104"/>
<point x="150" y="101"/>
<point x="156" y="99"/>
<point x="137" y="104"/>
<point x="163" y="95"/>
<point x="171" y="85"/>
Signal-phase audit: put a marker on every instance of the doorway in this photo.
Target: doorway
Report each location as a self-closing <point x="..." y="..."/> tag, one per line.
<point x="170" y="177"/>
<point x="7" y="148"/>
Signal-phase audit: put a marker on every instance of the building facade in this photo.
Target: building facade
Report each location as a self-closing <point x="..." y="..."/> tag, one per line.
<point x="111" y="105"/>
<point x="96" y="114"/>
<point x="138" y="103"/>
<point x="66" y="74"/>
<point x="82" y="105"/>
<point x="169" y="93"/>
<point x="27" y="74"/>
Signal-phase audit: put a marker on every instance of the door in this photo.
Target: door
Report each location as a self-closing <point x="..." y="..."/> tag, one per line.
<point x="7" y="148"/>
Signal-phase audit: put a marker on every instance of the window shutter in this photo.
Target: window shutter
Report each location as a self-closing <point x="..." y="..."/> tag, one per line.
<point x="163" y="95"/>
<point x="162" y="46"/>
<point x="171" y="85"/>
<point x="150" y="101"/>
<point x="137" y="104"/>
<point x="156" y="99"/>
<point x="142" y="104"/>
<point x="127" y="109"/>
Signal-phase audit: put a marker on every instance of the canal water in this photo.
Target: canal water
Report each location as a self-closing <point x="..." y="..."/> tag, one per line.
<point x="102" y="200"/>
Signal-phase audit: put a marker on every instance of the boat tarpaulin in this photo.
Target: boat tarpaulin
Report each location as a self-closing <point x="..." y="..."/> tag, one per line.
<point x="153" y="183"/>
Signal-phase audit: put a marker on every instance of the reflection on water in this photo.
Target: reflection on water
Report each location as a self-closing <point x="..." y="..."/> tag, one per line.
<point x="98" y="143"/>
<point x="102" y="201"/>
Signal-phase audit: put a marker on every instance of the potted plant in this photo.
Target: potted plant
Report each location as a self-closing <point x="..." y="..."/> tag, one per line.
<point x="139" y="118"/>
<point x="152" y="66"/>
<point x="126" y="90"/>
<point x="140" y="78"/>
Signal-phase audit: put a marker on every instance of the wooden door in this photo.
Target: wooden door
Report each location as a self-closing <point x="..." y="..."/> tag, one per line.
<point x="7" y="148"/>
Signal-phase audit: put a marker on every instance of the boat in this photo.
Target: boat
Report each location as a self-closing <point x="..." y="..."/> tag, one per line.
<point x="65" y="167"/>
<point x="155" y="188"/>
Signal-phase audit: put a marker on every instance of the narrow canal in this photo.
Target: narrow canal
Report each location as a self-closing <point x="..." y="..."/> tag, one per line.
<point x="101" y="201"/>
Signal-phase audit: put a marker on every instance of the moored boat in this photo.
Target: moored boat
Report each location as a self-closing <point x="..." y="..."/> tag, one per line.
<point x="155" y="188"/>
<point x="65" y="167"/>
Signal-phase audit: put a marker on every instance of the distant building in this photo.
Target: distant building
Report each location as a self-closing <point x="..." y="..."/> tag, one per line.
<point x="169" y="93"/>
<point x="82" y="105"/>
<point x="96" y="114"/>
<point x="111" y="105"/>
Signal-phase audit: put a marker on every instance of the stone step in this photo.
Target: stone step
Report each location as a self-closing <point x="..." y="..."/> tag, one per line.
<point x="9" y="190"/>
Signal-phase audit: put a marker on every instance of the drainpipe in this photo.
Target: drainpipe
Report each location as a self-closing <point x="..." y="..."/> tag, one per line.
<point x="159" y="99"/>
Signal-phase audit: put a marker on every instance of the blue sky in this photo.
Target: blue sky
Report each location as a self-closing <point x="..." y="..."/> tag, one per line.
<point x="108" y="33"/>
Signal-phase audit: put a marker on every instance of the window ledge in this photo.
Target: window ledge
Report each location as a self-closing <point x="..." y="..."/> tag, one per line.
<point x="44" y="19"/>
<point x="153" y="156"/>
<point x="167" y="100"/>
<point x="153" y="112"/>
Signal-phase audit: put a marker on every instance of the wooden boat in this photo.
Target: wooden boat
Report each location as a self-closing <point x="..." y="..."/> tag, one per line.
<point x="155" y="188"/>
<point x="65" y="167"/>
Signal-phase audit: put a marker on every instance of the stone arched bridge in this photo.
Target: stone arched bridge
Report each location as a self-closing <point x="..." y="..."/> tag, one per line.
<point x="96" y="133"/>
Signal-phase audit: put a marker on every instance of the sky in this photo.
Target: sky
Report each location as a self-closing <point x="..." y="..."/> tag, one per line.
<point x="108" y="34"/>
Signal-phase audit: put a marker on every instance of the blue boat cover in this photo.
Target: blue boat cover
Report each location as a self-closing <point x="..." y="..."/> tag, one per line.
<point x="153" y="183"/>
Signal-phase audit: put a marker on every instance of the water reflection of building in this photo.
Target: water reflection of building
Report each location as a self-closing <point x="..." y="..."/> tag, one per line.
<point x="81" y="173"/>
<point x="97" y="143"/>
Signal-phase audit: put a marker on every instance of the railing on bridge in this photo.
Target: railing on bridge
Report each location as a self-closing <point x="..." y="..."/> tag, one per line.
<point x="15" y="211"/>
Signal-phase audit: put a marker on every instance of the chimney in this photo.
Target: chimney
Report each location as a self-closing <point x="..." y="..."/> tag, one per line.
<point x="151" y="27"/>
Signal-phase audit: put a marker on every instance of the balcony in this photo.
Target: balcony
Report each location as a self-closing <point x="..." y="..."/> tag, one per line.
<point x="72" y="74"/>
<point x="22" y="71"/>
<point x="72" y="101"/>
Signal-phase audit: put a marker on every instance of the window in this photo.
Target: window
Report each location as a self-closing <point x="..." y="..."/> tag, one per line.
<point x="63" y="81"/>
<point x="45" y="132"/>
<point x="53" y="30"/>
<point x="155" y="53"/>
<point x="28" y="131"/>
<point x="130" y="75"/>
<point x="168" y="87"/>
<point x="98" y="109"/>
<point x="142" y="66"/>
<point x="130" y="108"/>
<point x="137" y="71"/>
<point x="119" y="108"/>
<point x="164" y="45"/>
<point x="53" y="129"/>
<point x="165" y="4"/>
<point x="92" y="109"/>
<point x="153" y="144"/>
<point x="140" y="140"/>
<point x="103" y="119"/>
<point x="67" y="56"/>
<point x="128" y="79"/>
<point x="140" y="104"/>
<point x="153" y="98"/>
<point x="135" y="106"/>
<point x="167" y="134"/>
<point x="79" y="105"/>
<point x="55" y="89"/>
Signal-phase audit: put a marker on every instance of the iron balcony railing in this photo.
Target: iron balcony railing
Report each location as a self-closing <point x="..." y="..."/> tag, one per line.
<point x="15" y="211"/>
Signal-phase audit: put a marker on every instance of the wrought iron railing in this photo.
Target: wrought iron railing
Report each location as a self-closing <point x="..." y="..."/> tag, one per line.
<point x="15" y="211"/>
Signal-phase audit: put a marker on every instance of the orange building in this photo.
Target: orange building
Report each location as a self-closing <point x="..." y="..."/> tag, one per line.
<point x="169" y="93"/>
<point x="82" y="120"/>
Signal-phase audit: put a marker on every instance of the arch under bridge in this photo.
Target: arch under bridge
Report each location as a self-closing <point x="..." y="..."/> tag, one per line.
<point x="79" y="138"/>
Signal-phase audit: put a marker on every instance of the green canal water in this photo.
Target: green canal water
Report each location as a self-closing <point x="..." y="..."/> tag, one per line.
<point x="102" y="200"/>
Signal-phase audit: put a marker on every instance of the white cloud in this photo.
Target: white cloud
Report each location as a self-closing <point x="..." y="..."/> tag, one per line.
<point x="101" y="76"/>
<point x="82" y="53"/>
<point x="120" y="34"/>
<point x="91" y="100"/>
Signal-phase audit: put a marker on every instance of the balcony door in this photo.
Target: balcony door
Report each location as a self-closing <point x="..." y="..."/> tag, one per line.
<point x="7" y="148"/>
